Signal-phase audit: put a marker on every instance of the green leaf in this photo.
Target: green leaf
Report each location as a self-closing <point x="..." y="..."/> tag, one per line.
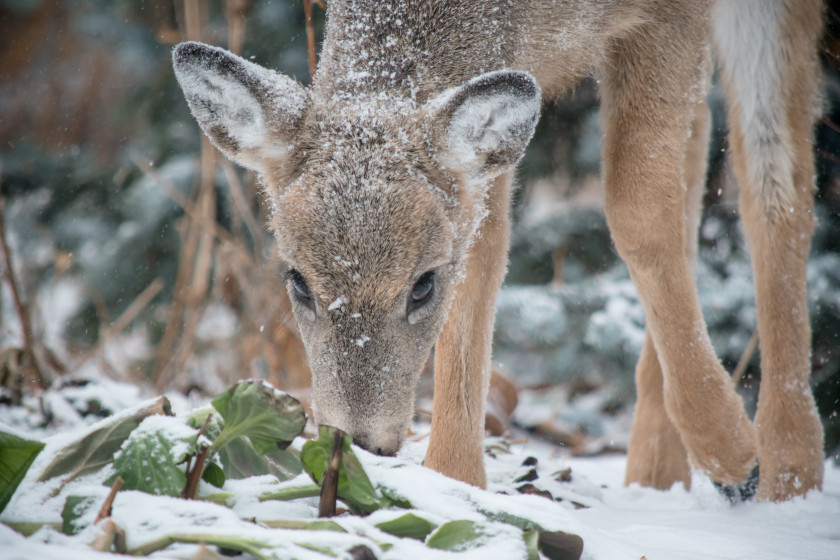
<point x="408" y="525"/>
<point x="511" y="519"/>
<point x="317" y="525"/>
<point x="239" y="460"/>
<point x="98" y="446"/>
<point x="74" y="508"/>
<point x="293" y="491"/>
<point x="148" y="458"/>
<point x="16" y="456"/>
<point x="284" y="463"/>
<point x="253" y="547"/>
<point x="29" y="528"/>
<point x="221" y="498"/>
<point x="354" y="486"/>
<point x="258" y="411"/>
<point x="213" y="474"/>
<point x="457" y="535"/>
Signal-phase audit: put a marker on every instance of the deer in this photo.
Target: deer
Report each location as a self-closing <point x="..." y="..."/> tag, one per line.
<point x="389" y="182"/>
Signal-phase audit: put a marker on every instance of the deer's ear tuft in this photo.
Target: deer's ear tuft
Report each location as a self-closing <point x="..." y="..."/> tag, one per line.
<point x="483" y="127"/>
<point x="249" y="112"/>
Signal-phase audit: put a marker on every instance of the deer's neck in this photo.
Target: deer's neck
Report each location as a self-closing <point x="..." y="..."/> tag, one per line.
<point x="412" y="49"/>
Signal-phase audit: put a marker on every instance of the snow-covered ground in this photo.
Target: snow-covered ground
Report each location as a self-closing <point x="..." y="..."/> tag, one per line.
<point x="615" y="521"/>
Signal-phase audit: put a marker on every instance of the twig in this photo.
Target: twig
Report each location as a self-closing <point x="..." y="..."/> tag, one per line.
<point x="827" y="155"/>
<point x="240" y="203"/>
<point x="739" y="370"/>
<point x="310" y="34"/>
<point x="189" y="208"/>
<point x="329" y="484"/>
<point x="236" y="10"/>
<point x="105" y="510"/>
<point x="127" y="316"/>
<point x="104" y="541"/>
<point x="207" y="205"/>
<point x="830" y="124"/>
<point x="194" y="475"/>
<point x="21" y="307"/>
<point x="189" y="243"/>
<point x="192" y="19"/>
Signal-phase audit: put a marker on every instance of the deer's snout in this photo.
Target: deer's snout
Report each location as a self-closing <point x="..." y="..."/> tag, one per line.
<point x="380" y="444"/>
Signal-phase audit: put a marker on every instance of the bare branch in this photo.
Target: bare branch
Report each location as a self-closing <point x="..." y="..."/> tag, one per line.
<point x="20" y="306"/>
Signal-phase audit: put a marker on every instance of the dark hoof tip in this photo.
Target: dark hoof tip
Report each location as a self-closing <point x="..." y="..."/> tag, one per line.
<point x="742" y="492"/>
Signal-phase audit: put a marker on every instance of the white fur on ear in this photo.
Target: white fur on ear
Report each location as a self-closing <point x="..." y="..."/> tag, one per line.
<point x="486" y="124"/>
<point x="248" y="112"/>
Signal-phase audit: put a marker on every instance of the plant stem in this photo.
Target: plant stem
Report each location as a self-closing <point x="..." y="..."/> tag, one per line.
<point x="195" y="474"/>
<point x="329" y="484"/>
<point x="105" y="510"/>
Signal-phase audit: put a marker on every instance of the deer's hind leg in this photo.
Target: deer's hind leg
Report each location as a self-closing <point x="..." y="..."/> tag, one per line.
<point x="652" y="83"/>
<point x="656" y="456"/>
<point x="772" y="105"/>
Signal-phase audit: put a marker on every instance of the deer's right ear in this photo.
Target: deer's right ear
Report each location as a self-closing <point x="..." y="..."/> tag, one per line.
<point x="249" y="112"/>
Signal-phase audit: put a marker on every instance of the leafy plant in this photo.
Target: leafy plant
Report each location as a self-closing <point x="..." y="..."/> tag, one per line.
<point x="268" y="418"/>
<point x="457" y="535"/>
<point x="408" y="525"/>
<point x="98" y="447"/>
<point x="16" y="456"/>
<point x="74" y="508"/>
<point x="244" y="434"/>
<point x="354" y="486"/>
<point x="148" y="459"/>
<point x="250" y="432"/>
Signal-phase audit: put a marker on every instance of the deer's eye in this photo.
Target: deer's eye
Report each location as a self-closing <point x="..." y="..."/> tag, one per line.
<point x="421" y="293"/>
<point x="300" y="288"/>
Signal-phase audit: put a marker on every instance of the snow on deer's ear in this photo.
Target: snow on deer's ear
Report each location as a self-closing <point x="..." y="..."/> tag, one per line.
<point x="249" y="112"/>
<point x="483" y="127"/>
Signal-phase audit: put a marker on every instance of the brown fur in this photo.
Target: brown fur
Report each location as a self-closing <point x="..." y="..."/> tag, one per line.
<point x="398" y="162"/>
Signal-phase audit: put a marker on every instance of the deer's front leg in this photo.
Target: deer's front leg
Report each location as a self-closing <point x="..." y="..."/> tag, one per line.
<point x="462" y="353"/>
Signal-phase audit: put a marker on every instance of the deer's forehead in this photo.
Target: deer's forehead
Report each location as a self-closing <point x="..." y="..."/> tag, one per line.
<point x="362" y="243"/>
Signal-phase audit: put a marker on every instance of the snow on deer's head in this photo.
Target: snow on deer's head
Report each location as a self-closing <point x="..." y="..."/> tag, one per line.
<point x="375" y="201"/>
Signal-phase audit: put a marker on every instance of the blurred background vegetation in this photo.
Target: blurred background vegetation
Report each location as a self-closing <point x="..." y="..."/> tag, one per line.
<point x="140" y="254"/>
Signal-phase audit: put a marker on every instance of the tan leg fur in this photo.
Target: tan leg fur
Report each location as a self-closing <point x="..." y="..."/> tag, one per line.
<point x="656" y="456"/>
<point x="645" y="146"/>
<point x="462" y="353"/>
<point x="777" y="212"/>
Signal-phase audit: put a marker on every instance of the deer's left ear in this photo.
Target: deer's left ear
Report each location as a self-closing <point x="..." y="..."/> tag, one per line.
<point x="483" y="127"/>
<point x="249" y="112"/>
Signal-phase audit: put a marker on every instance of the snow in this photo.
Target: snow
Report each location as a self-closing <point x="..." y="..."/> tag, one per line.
<point x="175" y="430"/>
<point x="614" y="521"/>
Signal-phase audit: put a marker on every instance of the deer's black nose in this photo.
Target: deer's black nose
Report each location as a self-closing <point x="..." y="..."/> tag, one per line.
<point x="368" y="444"/>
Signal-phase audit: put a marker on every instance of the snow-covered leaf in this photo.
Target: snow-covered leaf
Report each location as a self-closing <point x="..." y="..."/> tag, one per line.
<point x="74" y="508"/>
<point x="457" y="535"/>
<point x="148" y="459"/>
<point x="16" y="456"/>
<point x="354" y="486"/>
<point x="98" y="445"/>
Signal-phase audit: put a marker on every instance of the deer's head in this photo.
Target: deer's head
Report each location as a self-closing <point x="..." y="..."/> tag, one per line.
<point x="374" y="202"/>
